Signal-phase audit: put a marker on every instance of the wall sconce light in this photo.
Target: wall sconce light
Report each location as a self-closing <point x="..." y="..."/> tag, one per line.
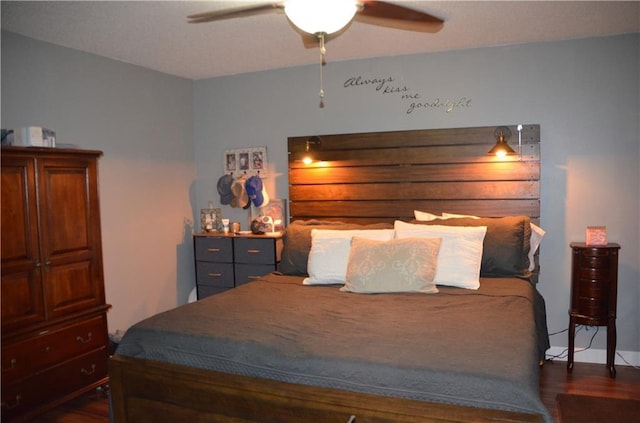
<point x="502" y="148"/>
<point x="309" y="147"/>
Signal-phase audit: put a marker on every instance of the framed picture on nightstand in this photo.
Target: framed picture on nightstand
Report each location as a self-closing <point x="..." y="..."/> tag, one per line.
<point x="276" y="209"/>
<point x="596" y="236"/>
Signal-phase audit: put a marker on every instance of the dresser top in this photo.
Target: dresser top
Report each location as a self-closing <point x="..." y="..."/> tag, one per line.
<point x="243" y="234"/>
<point x="585" y="245"/>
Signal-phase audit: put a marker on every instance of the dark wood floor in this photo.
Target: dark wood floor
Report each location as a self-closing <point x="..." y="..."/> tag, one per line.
<point x="586" y="379"/>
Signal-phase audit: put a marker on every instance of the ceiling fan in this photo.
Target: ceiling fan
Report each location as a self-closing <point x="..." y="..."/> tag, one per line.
<point x="318" y="21"/>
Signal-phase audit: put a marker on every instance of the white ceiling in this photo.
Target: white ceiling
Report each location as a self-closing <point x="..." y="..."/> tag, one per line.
<point x="156" y="35"/>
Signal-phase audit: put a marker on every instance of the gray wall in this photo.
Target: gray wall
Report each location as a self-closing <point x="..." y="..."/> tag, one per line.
<point x="143" y="122"/>
<point x="583" y="93"/>
<point x="164" y="137"/>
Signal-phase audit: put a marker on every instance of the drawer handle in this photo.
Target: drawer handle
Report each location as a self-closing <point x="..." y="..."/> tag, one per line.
<point x="253" y="277"/>
<point x="88" y="372"/>
<point x="213" y="250"/>
<point x="215" y="275"/>
<point x="14" y="405"/>
<point x="254" y="251"/>
<point x="81" y="340"/>
<point x="352" y="419"/>
<point x="13" y="365"/>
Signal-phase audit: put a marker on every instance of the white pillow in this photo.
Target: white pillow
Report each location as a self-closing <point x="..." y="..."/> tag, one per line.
<point x="424" y="216"/>
<point x="329" y="254"/>
<point x="537" y="233"/>
<point x="453" y="215"/>
<point x="460" y="253"/>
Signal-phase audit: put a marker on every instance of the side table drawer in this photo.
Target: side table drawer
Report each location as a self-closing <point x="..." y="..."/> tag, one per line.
<point x="23" y="358"/>
<point x="255" y="251"/>
<point x="248" y="272"/>
<point x="207" y="290"/>
<point x="593" y="308"/>
<point x="214" y="274"/>
<point x="595" y="261"/>
<point x="601" y="273"/>
<point x="592" y="288"/>
<point x="216" y="249"/>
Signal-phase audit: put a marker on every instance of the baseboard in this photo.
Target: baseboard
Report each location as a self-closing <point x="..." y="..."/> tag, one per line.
<point x="592" y="355"/>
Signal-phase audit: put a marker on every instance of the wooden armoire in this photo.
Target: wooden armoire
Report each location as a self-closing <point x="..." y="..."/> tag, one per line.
<point x="54" y="326"/>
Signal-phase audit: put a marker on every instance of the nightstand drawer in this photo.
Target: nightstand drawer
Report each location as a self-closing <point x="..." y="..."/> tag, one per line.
<point x="593" y="273"/>
<point x="595" y="261"/>
<point x="255" y="251"/>
<point x="595" y="308"/>
<point x="248" y="272"/>
<point x="207" y="290"/>
<point x="592" y="288"/>
<point x="214" y="274"/>
<point x="214" y="249"/>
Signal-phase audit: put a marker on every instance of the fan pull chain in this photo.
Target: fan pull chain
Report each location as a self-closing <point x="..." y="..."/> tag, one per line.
<point x="323" y="51"/>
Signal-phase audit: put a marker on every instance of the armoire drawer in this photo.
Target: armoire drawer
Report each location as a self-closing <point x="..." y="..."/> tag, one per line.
<point x="25" y="395"/>
<point x="29" y="356"/>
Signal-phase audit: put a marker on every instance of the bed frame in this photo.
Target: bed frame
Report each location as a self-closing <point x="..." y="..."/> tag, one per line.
<point x="363" y="178"/>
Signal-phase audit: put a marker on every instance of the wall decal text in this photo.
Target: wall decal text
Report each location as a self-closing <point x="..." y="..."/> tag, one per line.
<point x="414" y="100"/>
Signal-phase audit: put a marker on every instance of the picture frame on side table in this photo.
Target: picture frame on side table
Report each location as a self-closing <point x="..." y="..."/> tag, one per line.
<point x="276" y="210"/>
<point x="211" y="220"/>
<point x="596" y="236"/>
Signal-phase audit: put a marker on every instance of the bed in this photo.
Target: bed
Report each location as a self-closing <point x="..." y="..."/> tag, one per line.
<point x="294" y="346"/>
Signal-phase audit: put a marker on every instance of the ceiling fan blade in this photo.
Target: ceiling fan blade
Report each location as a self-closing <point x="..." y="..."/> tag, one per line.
<point x="391" y="15"/>
<point x="237" y="12"/>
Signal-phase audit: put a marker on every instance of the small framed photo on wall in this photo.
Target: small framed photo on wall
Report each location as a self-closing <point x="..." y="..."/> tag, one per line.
<point x="229" y="162"/>
<point x="246" y="161"/>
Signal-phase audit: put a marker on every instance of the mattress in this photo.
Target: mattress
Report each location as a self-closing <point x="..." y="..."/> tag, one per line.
<point x="477" y="348"/>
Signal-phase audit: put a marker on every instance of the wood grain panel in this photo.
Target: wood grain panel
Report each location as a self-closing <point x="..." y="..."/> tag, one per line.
<point x="337" y="173"/>
<point x="403" y="209"/>
<point x="417" y="191"/>
<point x="382" y="176"/>
<point x="423" y="137"/>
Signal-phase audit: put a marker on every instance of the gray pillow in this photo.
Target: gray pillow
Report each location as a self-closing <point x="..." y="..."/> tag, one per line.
<point x="506" y="245"/>
<point x="297" y="242"/>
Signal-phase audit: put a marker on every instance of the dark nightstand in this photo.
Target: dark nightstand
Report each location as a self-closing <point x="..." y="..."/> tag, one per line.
<point x="594" y="294"/>
<point x="226" y="261"/>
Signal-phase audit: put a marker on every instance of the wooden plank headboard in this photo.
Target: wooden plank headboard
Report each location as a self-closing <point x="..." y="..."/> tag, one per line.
<point x="384" y="176"/>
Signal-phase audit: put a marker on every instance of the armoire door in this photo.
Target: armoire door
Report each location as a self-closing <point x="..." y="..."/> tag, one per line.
<point x="70" y="235"/>
<point x="22" y="299"/>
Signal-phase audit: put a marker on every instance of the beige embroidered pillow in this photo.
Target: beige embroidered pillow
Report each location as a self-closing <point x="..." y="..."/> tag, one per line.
<point x="398" y="265"/>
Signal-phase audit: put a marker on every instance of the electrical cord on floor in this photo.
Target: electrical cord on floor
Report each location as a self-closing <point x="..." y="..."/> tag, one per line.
<point x="625" y="361"/>
<point x="565" y="352"/>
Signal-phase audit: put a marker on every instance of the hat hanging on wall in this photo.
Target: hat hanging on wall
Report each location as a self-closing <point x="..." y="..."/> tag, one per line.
<point x="256" y="191"/>
<point x="224" y="189"/>
<point x="240" y="198"/>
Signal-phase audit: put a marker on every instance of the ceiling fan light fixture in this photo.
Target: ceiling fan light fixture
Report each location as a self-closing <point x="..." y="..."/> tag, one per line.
<point x="320" y="16"/>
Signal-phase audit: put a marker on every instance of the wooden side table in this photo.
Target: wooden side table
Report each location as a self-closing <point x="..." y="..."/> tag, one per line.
<point x="594" y="294"/>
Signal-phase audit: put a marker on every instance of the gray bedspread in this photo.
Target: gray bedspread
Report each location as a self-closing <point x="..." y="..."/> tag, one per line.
<point x="475" y="348"/>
